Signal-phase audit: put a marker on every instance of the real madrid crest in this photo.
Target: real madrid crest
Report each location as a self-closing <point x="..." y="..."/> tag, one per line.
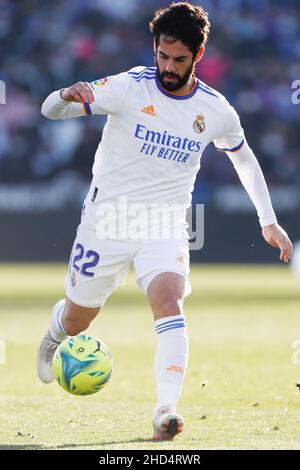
<point x="199" y="124"/>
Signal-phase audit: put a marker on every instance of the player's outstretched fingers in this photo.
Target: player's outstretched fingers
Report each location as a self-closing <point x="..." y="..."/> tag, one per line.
<point x="287" y="252"/>
<point x="285" y="249"/>
<point x="282" y="254"/>
<point x="278" y="238"/>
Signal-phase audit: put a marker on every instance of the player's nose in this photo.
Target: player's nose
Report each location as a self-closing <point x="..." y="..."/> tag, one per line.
<point x="170" y="67"/>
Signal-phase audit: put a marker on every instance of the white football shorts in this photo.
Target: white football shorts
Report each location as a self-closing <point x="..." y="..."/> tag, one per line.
<point x="98" y="266"/>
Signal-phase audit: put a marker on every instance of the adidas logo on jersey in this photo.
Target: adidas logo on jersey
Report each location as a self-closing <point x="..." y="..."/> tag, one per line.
<point x="149" y="110"/>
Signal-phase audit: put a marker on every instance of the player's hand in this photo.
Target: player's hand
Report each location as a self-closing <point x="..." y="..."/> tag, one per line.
<point x="78" y="93"/>
<point x="278" y="238"/>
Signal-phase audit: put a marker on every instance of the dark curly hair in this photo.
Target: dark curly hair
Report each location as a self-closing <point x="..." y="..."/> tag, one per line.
<point x="181" y="21"/>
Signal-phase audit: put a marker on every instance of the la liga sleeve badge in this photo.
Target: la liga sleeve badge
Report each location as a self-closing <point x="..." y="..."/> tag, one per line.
<point x="100" y="82"/>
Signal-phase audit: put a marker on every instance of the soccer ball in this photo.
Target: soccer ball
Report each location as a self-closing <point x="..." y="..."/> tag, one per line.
<point x="82" y="365"/>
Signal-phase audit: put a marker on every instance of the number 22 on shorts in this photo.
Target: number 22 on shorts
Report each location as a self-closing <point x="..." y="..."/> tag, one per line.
<point x="91" y="258"/>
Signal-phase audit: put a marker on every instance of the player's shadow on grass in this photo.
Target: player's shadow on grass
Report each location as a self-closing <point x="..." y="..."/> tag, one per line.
<point x="99" y="445"/>
<point x="22" y="447"/>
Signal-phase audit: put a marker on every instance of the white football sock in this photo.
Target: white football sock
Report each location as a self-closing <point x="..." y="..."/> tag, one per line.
<point x="56" y="327"/>
<point x="170" y="359"/>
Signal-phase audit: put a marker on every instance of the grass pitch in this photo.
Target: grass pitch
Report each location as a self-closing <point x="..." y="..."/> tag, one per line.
<point x="240" y="389"/>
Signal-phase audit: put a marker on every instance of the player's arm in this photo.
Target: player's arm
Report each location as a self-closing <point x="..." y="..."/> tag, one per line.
<point x="103" y="96"/>
<point x="232" y="141"/>
<point x="251" y="176"/>
<point x="73" y="101"/>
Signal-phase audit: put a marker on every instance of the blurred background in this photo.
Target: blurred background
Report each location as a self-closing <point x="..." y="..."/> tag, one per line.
<point x="252" y="57"/>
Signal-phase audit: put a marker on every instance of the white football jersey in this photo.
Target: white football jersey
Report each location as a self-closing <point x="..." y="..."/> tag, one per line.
<point x="152" y="143"/>
<point x="153" y="140"/>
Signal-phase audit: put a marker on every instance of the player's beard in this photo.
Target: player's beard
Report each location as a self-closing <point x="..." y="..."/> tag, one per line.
<point x="180" y="81"/>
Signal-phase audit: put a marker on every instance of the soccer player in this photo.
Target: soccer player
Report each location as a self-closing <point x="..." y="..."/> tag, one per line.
<point x="160" y="119"/>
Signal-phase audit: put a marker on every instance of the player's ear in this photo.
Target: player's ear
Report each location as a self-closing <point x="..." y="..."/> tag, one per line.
<point x="199" y="54"/>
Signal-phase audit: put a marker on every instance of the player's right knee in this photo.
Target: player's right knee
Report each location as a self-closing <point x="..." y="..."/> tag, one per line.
<point x="73" y="328"/>
<point x="77" y="319"/>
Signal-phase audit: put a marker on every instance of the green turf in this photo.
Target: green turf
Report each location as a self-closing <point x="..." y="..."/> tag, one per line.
<point x="239" y="391"/>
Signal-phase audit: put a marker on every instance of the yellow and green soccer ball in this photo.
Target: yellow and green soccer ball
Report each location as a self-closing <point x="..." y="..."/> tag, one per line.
<point x="82" y="365"/>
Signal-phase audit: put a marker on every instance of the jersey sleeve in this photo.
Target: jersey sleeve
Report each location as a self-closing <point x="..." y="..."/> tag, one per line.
<point x="109" y="94"/>
<point x="232" y="138"/>
<point x="252" y="178"/>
